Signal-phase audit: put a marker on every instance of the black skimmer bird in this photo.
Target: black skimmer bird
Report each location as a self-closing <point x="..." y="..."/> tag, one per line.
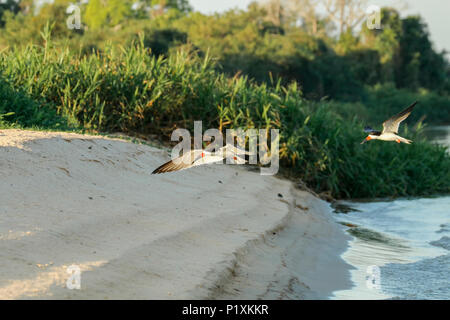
<point x="390" y="128"/>
<point x="200" y="157"/>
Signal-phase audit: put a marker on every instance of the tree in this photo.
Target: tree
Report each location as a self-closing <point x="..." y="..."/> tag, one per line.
<point x="104" y="13"/>
<point x="347" y="14"/>
<point x="304" y="10"/>
<point x="180" y="5"/>
<point x="385" y="41"/>
<point x="8" y="5"/>
<point x="24" y="28"/>
<point x="274" y="11"/>
<point x="418" y="63"/>
<point x="159" y="7"/>
<point x="26" y="6"/>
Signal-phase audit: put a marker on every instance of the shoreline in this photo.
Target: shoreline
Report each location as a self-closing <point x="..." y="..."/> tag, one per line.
<point x="286" y="265"/>
<point x="217" y="232"/>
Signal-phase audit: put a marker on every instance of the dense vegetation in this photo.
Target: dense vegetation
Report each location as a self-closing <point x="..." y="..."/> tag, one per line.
<point x="169" y="76"/>
<point x="344" y="68"/>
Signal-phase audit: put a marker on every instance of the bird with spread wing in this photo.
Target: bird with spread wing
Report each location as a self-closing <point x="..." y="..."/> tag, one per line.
<point x="199" y="157"/>
<point x="390" y="128"/>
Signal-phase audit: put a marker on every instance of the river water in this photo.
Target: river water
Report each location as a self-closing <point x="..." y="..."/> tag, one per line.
<point x="400" y="249"/>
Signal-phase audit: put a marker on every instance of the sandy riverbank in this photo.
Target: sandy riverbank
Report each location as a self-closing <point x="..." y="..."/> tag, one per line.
<point x="209" y="232"/>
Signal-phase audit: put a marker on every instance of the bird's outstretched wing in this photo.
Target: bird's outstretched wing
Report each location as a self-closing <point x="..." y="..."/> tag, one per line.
<point x="369" y="130"/>
<point x="392" y="124"/>
<point x="230" y="149"/>
<point x="180" y="163"/>
<point x="192" y="159"/>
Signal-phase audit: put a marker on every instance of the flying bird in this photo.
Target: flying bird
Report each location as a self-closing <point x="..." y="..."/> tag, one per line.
<point x="200" y="157"/>
<point x="390" y="128"/>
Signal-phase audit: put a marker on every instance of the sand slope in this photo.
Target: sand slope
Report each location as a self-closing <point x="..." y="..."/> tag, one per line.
<point x="90" y="201"/>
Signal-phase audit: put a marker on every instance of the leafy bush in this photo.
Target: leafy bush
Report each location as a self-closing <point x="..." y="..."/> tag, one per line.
<point x="17" y="109"/>
<point x="132" y="91"/>
<point x="383" y="101"/>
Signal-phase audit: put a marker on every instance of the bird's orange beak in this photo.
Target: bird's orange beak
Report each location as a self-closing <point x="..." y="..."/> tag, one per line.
<point x="366" y="139"/>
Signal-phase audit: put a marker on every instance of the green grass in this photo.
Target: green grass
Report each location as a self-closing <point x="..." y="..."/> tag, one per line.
<point x="131" y="91"/>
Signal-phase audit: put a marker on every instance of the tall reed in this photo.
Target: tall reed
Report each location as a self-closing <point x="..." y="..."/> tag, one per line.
<point x="132" y="91"/>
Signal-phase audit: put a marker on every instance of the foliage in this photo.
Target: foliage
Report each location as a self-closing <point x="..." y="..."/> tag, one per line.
<point x="247" y="42"/>
<point x="11" y="6"/>
<point x="132" y="91"/>
<point x="382" y="101"/>
<point x="152" y="68"/>
<point x="17" y="109"/>
<point x="101" y="13"/>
